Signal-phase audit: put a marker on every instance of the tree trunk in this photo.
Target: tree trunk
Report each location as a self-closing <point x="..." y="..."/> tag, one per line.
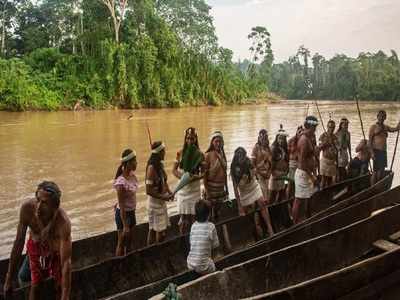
<point x="3" y="30"/>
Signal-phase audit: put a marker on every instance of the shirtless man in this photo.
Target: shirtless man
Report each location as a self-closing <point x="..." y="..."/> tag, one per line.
<point x="378" y="134"/>
<point x="49" y="244"/>
<point x="329" y="145"/>
<point x="305" y="177"/>
<point x="359" y="165"/>
<point x="293" y="156"/>
<point x="261" y="160"/>
<point x="215" y="176"/>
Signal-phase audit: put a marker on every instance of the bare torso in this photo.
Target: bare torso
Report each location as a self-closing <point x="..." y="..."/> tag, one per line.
<point x="215" y="167"/>
<point x="378" y="136"/>
<point x="306" y="154"/>
<point x="261" y="157"/>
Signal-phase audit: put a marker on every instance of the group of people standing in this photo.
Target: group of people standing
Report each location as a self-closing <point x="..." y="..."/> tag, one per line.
<point x="271" y="173"/>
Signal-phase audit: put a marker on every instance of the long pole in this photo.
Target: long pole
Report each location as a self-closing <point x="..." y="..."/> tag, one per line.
<point x="395" y="150"/>
<point x="320" y="117"/>
<point x="362" y="128"/>
<point x="149" y="134"/>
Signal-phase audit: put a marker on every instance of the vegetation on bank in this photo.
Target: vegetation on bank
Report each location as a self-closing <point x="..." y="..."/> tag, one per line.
<point x="125" y="53"/>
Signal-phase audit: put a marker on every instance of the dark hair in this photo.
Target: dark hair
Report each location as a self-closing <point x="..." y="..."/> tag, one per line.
<point x="341" y="123"/>
<point x="51" y="188"/>
<point x="275" y="149"/>
<point x="155" y="161"/>
<point x="309" y="118"/>
<point x="239" y="169"/>
<point x="211" y="147"/>
<point x="262" y="132"/>
<point x="123" y="164"/>
<point x="190" y="130"/>
<point x="202" y="211"/>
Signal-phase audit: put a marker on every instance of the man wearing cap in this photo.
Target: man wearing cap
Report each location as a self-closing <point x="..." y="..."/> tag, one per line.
<point x="49" y="244"/>
<point x="261" y="159"/>
<point x="279" y="166"/>
<point x="328" y="143"/>
<point x="305" y="176"/>
<point x="215" y="176"/>
<point x="378" y="134"/>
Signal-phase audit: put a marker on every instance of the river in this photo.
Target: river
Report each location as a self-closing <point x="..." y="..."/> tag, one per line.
<point x="80" y="151"/>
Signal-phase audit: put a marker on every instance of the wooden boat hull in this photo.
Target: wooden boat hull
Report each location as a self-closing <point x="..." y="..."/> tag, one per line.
<point x="138" y="269"/>
<point x="359" y="210"/>
<point x="297" y="263"/>
<point x="374" y="278"/>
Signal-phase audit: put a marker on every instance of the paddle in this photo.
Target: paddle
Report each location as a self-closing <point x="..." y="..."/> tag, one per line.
<point x="395" y="150"/>
<point x="362" y="128"/>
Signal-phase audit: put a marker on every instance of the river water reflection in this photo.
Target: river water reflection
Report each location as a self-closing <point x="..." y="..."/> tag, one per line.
<point x="80" y="151"/>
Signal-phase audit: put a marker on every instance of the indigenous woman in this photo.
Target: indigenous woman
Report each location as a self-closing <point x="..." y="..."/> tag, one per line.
<point x="261" y="159"/>
<point x="126" y="185"/>
<point x="344" y="148"/>
<point x="158" y="193"/>
<point x="293" y="158"/>
<point x="279" y="167"/>
<point x="215" y="176"/>
<point x="328" y="164"/>
<point x="247" y="190"/>
<point x="188" y="160"/>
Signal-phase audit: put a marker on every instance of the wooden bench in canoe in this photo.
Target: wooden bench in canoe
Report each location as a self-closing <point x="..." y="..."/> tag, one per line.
<point x="352" y="209"/>
<point x="98" y="248"/>
<point x="297" y="263"/>
<point x="374" y="278"/>
<point x="138" y="268"/>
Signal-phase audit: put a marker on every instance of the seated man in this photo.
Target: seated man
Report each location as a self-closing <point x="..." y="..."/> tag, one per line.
<point x="49" y="244"/>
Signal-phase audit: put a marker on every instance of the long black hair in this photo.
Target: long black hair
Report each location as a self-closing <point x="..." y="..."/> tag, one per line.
<point x="276" y="147"/>
<point x="51" y="188"/>
<point x="238" y="169"/>
<point x="123" y="164"/>
<point x="156" y="161"/>
<point x="190" y="130"/>
<point x="211" y="147"/>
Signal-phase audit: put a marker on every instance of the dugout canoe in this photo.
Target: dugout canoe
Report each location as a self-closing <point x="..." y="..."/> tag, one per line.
<point x="154" y="263"/>
<point x="98" y="248"/>
<point x="297" y="263"/>
<point x="377" y="277"/>
<point x="357" y="208"/>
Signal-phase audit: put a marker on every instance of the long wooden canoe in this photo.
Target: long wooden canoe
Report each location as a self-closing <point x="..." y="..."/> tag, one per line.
<point x="374" y="278"/>
<point x="357" y="209"/>
<point x="98" y="248"/>
<point x="138" y="268"/>
<point x="297" y="263"/>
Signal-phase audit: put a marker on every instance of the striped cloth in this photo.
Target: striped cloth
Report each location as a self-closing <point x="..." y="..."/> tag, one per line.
<point x="203" y="238"/>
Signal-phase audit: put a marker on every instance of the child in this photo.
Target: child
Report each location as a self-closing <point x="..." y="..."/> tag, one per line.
<point x="203" y="238"/>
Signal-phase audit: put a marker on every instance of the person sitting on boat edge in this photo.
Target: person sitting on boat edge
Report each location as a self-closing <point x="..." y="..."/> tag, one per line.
<point x="261" y="159"/>
<point x="344" y="149"/>
<point x="378" y="134"/>
<point x="49" y="245"/>
<point x="359" y="165"/>
<point x="328" y="143"/>
<point x="215" y="175"/>
<point x="279" y="167"/>
<point x="203" y="239"/>
<point x="293" y="156"/>
<point x="247" y="190"/>
<point x="188" y="159"/>
<point x="158" y="193"/>
<point x="126" y="185"/>
<point x="305" y="177"/>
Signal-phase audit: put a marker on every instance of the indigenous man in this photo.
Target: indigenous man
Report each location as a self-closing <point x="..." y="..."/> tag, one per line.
<point x="188" y="159"/>
<point x="279" y="167"/>
<point x="359" y="165"/>
<point x="49" y="244"/>
<point x="158" y="193"/>
<point x="293" y="156"/>
<point x="328" y="145"/>
<point x="378" y="134"/>
<point x="261" y="159"/>
<point x="305" y="177"/>
<point x="344" y="148"/>
<point x="215" y="176"/>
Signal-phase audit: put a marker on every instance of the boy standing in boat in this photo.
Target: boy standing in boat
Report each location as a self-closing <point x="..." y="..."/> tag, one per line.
<point x="215" y="177"/>
<point x="203" y="239"/>
<point x="305" y="176"/>
<point x="378" y="134"/>
<point x="49" y="245"/>
<point x="329" y="145"/>
<point x="261" y="159"/>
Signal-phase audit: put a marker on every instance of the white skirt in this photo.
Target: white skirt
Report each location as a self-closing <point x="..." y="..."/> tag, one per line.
<point x="187" y="198"/>
<point x="158" y="215"/>
<point x="304" y="187"/>
<point x="249" y="192"/>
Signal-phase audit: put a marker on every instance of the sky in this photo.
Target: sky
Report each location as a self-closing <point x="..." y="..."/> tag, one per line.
<point x="324" y="26"/>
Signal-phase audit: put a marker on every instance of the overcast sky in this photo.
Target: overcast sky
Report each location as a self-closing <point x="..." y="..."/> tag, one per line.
<point x="324" y="26"/>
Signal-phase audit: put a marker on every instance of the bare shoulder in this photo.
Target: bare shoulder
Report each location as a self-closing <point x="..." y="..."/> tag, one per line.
<point x="28" y="209"/>
<point x="63" y="223"/>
